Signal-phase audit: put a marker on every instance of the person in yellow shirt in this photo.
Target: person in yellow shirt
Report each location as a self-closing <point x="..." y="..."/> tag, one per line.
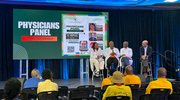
<point x="161" y="82"/>
<point x="47" y="85"/>
<point x="118" y="89"/>
<point x="107" y="81"/>
<point x="130" y="78"/>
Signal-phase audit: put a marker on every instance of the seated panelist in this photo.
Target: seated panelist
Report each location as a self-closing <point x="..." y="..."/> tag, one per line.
<point x="145" y="54"/>
<point x="96" y="59"/>
<point x="112" y="56"/>
<point x="126" y="55"/>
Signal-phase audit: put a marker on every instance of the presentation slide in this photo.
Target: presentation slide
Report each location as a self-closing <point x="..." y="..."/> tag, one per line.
<point x="36" y="34"/>
<point x="80" y="31"/>
<point x="53" y="34"/>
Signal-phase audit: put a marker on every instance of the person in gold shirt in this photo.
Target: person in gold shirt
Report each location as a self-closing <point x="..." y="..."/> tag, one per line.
<point x="47" y="85"/>
<point x="118" y="89"/>
<point x="161" y="82"/>
<point x="130" y="78"/>
<point x="107" y="81"/>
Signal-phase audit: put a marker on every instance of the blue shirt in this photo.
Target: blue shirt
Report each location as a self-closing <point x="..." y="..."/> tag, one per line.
<point x="32" y="82"/>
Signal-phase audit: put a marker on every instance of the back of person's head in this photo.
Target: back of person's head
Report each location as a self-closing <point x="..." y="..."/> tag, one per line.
<point x="47" y="74"/>
<point x="35" y="73"/>
<point x="12" y="89"/>
<point x="162" y="72"/>
<point x="129" y="70"/>
<point x="112" y="71"/>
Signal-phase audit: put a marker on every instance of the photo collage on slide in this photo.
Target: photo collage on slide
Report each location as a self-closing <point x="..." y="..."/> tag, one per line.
<point x="95" y="35"/>
<point x="80" y="32"/>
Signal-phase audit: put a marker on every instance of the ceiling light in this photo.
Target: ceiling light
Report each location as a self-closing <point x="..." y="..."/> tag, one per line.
<point x="170" y="0"/>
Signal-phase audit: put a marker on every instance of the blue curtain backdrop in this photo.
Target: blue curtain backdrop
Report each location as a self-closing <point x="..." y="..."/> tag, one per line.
<point x="160" y="27"/>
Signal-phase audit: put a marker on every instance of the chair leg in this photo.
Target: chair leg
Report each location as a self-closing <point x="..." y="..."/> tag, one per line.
<point x="103" y="73"/>
<point x="150" y="66"/>
<point x="108" y="73"/>
<point x="92" y="75"/>
<point x="141" y="69"/>
<point x="100" y="74"/>
<point x="123" y="69"/>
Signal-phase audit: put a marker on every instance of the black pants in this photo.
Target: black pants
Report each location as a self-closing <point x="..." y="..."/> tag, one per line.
<point x="110" y="61"/>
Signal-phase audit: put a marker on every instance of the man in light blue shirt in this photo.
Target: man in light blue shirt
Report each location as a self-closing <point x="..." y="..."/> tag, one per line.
<point x="33" y="82"/>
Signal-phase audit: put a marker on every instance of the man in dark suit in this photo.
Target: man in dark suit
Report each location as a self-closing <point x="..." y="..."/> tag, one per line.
<point x="145" y="54"/>
<point x="92" y="38"/>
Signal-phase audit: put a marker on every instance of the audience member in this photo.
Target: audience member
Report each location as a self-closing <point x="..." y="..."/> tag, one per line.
<point x="161" y="82"/>
<point x="33" y="82"/>
<point x="118" y="89"/>
<point x="47" y="85"/>
<point x="130" y="78"/>
<point x="107" y="81"/>
<point x="12" y="89"/>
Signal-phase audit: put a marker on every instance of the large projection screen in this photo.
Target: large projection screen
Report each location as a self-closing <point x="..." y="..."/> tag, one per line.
<point x="52" y="34"/>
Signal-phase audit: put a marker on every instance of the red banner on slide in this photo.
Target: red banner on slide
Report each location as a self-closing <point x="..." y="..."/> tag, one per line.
<point x="105" y="27"/>
<point x="39" y="38"/>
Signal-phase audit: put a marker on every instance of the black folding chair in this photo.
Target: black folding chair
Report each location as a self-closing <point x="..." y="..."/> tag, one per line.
<point x="133" y="86"/>
<point x="28" y="93"/>
<point x="150" y="97"/>
<point x="48" y="95"/>
<point x="22" y="80"/>
<point x="26" y="96"/>
<point x="103" y="90"/>
<point x="118" y="98"/>
<point x="81" y="95"/>
<point x="63" y="92"/>
<point x="89" y="88"/>
<point x="174" y="97"/>
<point x="1" y="94"/>
<point x="163" y="93"/>
<point x="136" y="92"/>
<point x="175" y="86"/>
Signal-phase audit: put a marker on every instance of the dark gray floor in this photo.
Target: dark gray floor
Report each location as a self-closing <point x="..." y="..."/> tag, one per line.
<point x="71" y="83"/>
<point x="2" y="83"/>
<point x="75" y="82"/>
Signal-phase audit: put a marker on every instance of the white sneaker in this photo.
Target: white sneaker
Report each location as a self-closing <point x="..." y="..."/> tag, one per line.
<point x="97" y="74"/>
<point x="149" y="70"/>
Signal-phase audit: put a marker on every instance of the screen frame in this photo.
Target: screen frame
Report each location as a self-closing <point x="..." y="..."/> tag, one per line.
<point x="68" y="12"/>
<point x="86" y="13"/>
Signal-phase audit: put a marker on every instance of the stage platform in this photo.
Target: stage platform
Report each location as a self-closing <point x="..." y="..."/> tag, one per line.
<point x="71" y="83"/>
<point x="75" y="82"/>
